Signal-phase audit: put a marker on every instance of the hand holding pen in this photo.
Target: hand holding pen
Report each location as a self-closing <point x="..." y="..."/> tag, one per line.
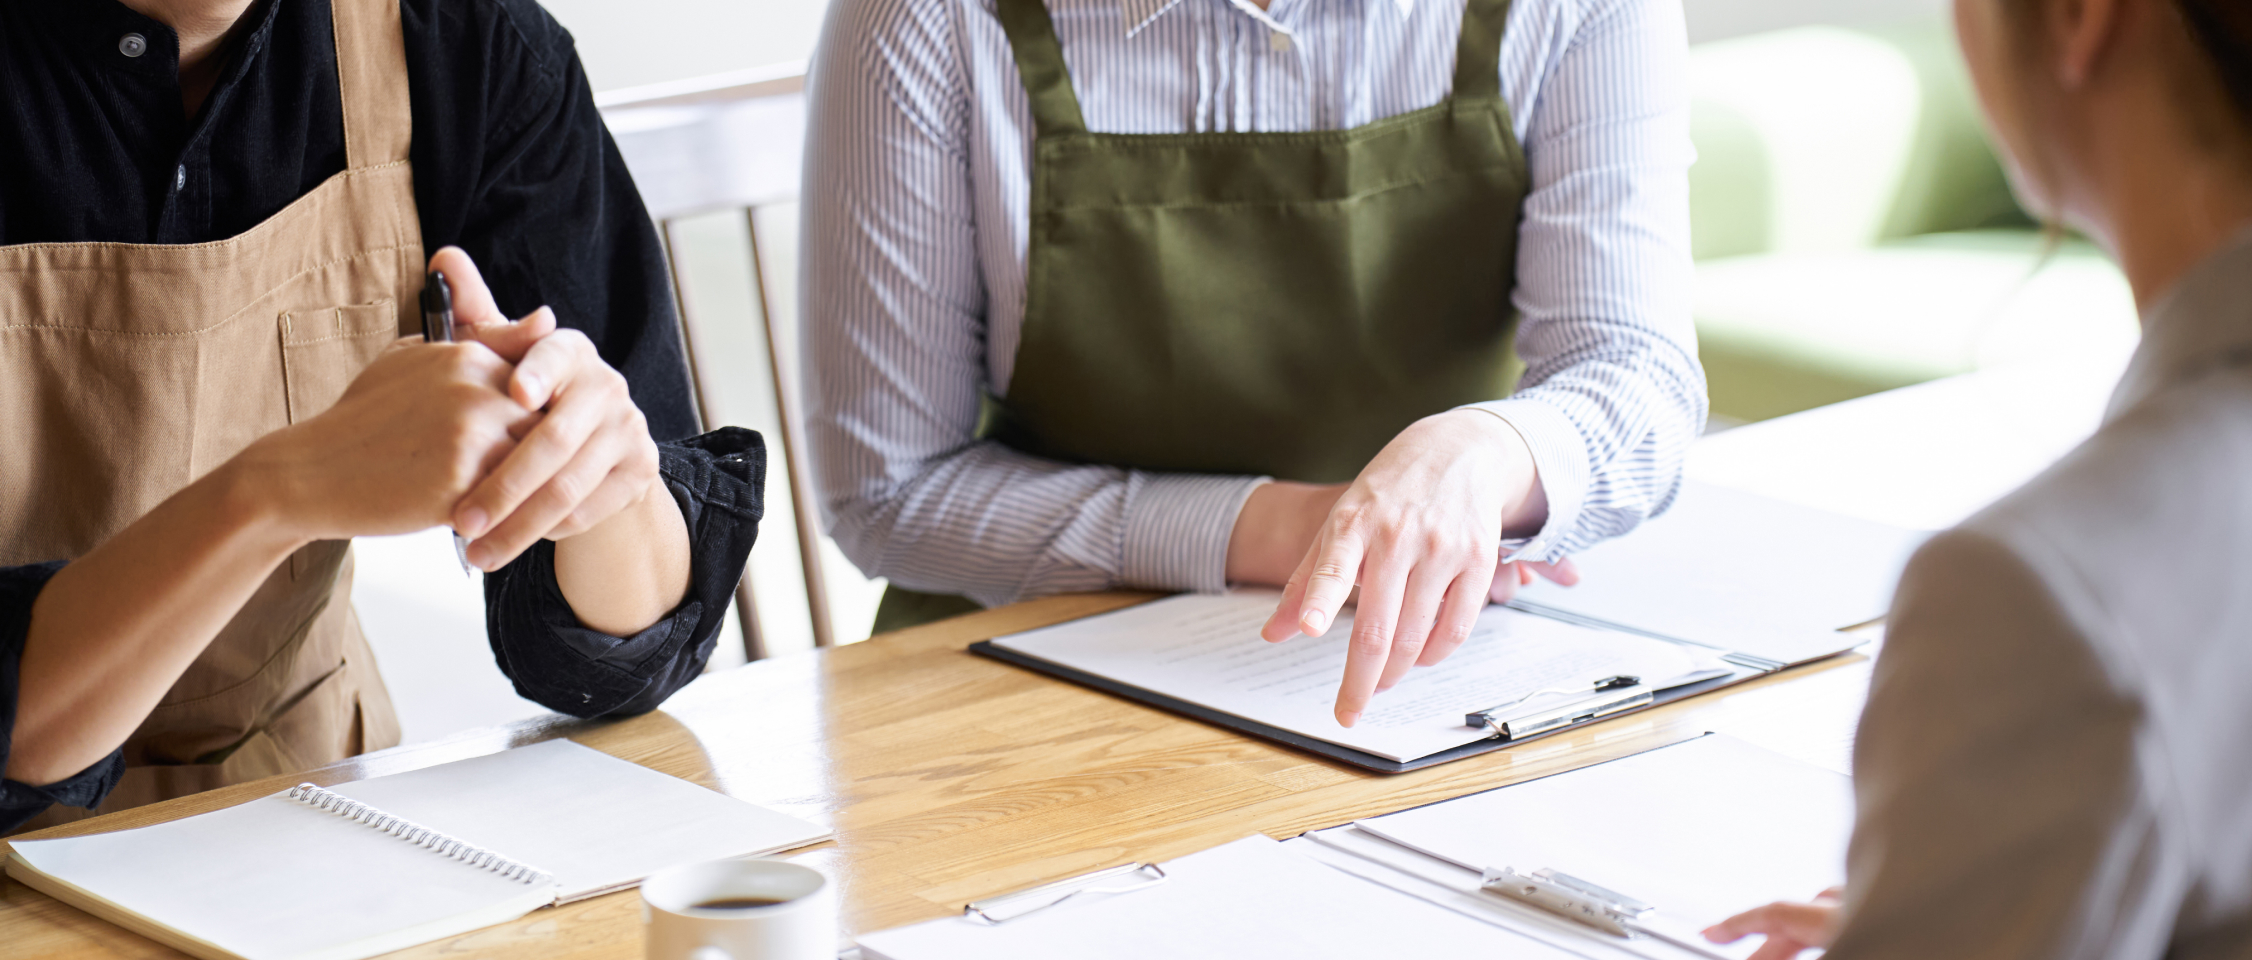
<point x="587" y="456"/>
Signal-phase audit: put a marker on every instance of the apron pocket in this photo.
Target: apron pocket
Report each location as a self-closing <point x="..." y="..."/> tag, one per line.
<point x="322" y="350"/>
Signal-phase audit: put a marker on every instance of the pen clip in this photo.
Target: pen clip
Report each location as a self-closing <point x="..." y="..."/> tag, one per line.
<point x="1561" y="715"/>
<point x="1153" y="875"/>
<point x="1569" y="897"/>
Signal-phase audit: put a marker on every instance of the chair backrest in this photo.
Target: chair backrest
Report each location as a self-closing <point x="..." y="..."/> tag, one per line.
<point x="1876" y="137"/>
<point x="717" y="162"/>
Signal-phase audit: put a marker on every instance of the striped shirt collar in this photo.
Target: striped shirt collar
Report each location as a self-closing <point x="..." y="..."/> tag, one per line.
<point x="1138" y="13"/>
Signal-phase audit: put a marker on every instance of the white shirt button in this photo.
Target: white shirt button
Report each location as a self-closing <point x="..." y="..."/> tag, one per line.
<point x="132" y="44"/>
<point x="1278" y="42"/>
<point x="180" y="177"/>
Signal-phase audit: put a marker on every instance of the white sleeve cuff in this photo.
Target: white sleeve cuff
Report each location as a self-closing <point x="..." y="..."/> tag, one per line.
<point x="1560" y="453"/>
<point x="1177" y="529"/>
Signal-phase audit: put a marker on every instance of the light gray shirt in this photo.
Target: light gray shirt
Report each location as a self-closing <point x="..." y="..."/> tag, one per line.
<point x="2056" y="759"/>
<point x="916" y="225"/>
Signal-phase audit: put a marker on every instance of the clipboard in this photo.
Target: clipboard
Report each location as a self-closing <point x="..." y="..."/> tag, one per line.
<point x="1358" y="759"/>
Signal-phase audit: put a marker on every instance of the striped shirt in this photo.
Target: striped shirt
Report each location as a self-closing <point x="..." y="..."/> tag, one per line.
<point x="915" y="232"/>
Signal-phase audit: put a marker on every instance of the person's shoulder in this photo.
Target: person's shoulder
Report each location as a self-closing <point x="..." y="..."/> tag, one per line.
<point x="913" y="48"/>
<point x="517" y="34"/>
<point x="893" y="19"/>
<point x="2144" y="531"/>
<point x="2170" y="466"/>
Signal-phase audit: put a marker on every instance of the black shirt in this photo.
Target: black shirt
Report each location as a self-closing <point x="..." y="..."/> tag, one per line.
<point x="511" y="163"/>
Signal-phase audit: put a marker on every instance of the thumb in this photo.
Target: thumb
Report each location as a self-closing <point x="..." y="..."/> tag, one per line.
<point x="473" y="300"/>
<point x="1560" y="570"/>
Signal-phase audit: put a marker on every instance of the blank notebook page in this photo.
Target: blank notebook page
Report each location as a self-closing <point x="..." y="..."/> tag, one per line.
<point x="277" y="878"/>
<point x="597" y="822"/>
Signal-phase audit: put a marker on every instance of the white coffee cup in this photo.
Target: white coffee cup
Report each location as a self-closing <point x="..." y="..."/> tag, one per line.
<point x="739" y="910"/>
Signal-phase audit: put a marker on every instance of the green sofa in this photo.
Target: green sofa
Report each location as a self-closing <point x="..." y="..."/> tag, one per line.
<point x="1854" y="232"/>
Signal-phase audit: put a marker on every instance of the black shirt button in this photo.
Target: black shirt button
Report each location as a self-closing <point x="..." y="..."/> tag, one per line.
<point x="132" y="44"/>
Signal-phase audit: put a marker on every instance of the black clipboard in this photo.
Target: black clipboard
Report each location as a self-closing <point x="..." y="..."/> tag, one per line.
<point x="1323" y="748"/>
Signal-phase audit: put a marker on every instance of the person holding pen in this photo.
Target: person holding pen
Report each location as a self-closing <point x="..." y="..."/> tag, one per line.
<point x="1325" y="294"/>
<point x="214" y="218"/>
<point x="2052" y="761"/>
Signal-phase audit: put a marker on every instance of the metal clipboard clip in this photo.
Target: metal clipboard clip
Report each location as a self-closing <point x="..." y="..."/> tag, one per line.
<point x="1549" y="718"/>
<point x="1151" y="873"/>
<point x="1569" y="897"/>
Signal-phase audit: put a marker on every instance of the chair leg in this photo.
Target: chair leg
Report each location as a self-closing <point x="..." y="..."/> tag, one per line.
<point x="746" y="601"/>
<point x="794" y="449"/>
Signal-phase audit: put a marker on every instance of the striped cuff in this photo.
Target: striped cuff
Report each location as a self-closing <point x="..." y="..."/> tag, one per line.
<point x="1177" y="527"/>
<point x="1560" y="453"/>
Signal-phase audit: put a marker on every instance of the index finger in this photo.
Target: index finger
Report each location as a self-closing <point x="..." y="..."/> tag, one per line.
<point x="1375" y="622"/>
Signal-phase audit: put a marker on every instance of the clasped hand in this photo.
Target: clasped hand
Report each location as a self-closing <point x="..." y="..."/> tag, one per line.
<point x="1419" y="534"/>
<point x="515" y="432"/>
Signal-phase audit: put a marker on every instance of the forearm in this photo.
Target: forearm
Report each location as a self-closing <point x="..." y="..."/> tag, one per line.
<point x="997" y="525"/>
<point x="1274" y="530"/>
<point x="629" y="571"/>
<point x="114" y="629"/>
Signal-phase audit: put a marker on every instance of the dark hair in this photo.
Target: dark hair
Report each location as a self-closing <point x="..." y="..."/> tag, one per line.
<point x="2224" y="29"/>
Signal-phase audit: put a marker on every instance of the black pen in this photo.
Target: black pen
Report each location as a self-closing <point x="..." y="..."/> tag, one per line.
<point x="438" y="327"/>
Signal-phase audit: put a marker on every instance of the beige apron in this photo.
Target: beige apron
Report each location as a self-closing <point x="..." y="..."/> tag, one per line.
<point x="127" y="371"/>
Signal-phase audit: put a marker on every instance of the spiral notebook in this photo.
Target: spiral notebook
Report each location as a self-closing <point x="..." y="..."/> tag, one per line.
<point x="383" y="864"/>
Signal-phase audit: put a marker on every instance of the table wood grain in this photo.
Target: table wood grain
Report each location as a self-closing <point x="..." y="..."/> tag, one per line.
<point x="949" y="777"/>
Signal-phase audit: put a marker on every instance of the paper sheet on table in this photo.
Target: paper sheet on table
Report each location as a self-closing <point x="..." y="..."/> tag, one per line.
<point x="1701" y="830"/>
<point x="558" y="805"/>
<point x="1206" y="649"/>
<point x="1738" y="571"/>
<point x="1923" y="457"/>
<point x="1250" y="898"/>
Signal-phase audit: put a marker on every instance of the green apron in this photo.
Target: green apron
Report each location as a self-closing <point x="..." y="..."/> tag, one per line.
<point x="1257" y="303"/>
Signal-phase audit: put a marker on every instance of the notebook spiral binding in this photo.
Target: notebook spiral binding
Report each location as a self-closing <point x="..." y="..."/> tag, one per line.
<point x="417" y="834"/>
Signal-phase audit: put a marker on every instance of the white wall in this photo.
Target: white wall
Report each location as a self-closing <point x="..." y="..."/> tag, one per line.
<point x="1717" y="19"/>
<point x="627" y="44"/>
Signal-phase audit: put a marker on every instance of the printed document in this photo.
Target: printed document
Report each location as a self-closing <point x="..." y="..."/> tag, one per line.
<point x="1206" y="649"/>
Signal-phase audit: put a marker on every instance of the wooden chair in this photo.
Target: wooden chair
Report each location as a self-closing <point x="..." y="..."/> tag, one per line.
<point x="717" y="162"/>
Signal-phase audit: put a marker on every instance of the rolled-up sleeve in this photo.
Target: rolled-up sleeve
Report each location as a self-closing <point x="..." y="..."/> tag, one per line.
<point x="19" y="802"/>
<point x="717" y="479"/>
<point x="1612" y="394"/>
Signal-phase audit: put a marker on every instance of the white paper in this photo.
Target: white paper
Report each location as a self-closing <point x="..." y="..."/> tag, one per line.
<point x="275" y="878"/>
<point x="593" y="820"/>
<point x="1812" y="719"/>
<point x="1379" y="861"/>
<point x="1923" y="457"/>
<point x="1206" y="649"/>
<point x="1738" y="571"/>
<point x="1701" y="830"/>
<point x="1250" y="898"/>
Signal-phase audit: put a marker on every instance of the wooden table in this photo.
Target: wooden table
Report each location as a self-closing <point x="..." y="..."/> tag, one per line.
<point x="949" y="777"/>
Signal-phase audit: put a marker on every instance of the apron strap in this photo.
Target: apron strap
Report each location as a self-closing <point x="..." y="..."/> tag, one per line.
<point x="371" y="69"/>
<point x="1477" y="56"/>
<point x="1032" y="36"/>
